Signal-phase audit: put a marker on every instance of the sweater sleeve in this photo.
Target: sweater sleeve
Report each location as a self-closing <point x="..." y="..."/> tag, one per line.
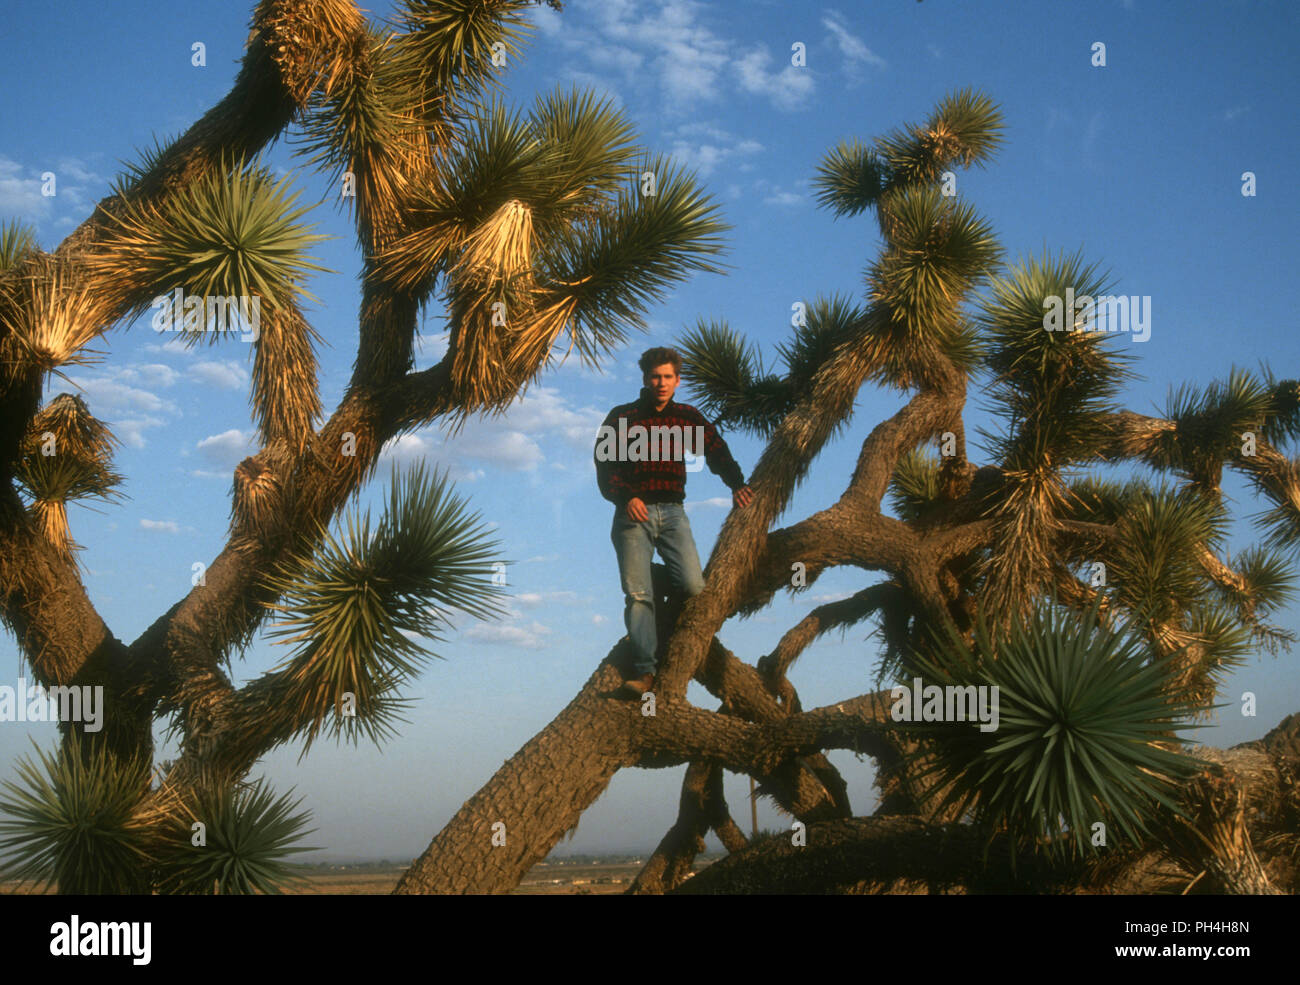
<point x="718" y="455"/>
<point x="611" y="477"/>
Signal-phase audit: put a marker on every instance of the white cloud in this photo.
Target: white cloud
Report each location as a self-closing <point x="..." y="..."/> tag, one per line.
<point x="130" y="430"/>
<point x="129" y="411"/>
<point x="549" y="22"/>
<point x="704" y="148"/>
<point x="166" y="526"/>
<point x="529" y="637"/>
<point x="598" y="620"/>
<point x="510" y="450"/>
<point x="410" y="448"/>
<point x="830" y="597"/>
<point x="434" y="346"/>
<point x="852" y="47"/>
<point x="225" y="373"/>
<point x="149" y="374"/>
<point x="787" y="89"/>
<point x="76" y="186"/>
<point x="783" y="198"/>
<point x="669" y="55"/>
<point x="532" y="600"/>
<point x="228" y="448"/>
<point x="173" y="345"/>
<point x="714" y="503"/>
<point x="105" y="396"/>
<point x="20" y="195"/>
<point x="535" y="427"/>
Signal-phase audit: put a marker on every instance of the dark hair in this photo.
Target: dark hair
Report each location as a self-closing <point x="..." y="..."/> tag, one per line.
<point x="658" y="356"/>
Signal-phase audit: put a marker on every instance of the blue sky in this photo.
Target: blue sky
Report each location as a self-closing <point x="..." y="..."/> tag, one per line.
<point x="1138" y="164"/>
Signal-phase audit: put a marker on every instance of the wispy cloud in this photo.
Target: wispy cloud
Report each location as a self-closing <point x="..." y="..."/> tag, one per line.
<point x="714" y="503"/>
<point x="539" y="426"/>
<point x="852" y="47"/>
<point x="787" y="88"/>
<point x="164" y="526"/>
<point x="533" y="600"/>
<point x="228" y="448"/>
<point x="668" y="47"/>
<point x="76" y="187"/>
<point x="20" y="192"/>
<point x="704" y="148"/>
<point x="129" y="410"/>
<point x="226" y="373"/>
<point x="530" y="636"/>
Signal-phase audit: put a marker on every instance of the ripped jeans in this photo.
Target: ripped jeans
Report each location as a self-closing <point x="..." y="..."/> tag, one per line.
<point x="668" y="530"/>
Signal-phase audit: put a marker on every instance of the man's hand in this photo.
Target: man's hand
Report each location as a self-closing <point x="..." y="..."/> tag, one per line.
<point x="636" y="511"/>
<point x="742" y="497"/>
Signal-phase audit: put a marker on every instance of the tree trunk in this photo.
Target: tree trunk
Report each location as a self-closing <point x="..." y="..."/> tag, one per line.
<point x="514" y="821"/>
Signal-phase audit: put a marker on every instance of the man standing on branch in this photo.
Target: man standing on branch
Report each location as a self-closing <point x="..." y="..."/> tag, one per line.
<point x="640" y="468"/>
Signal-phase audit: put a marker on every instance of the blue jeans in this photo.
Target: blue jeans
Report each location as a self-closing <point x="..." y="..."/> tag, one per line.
<point x="668" y="530"/>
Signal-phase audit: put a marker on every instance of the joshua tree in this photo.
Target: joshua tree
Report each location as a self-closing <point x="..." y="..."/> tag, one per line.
<point x="524" y="225"/>
<point x="1104" y="613"/>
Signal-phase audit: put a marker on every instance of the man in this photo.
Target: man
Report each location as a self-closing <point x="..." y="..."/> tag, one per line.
<point x="640" y="468"/>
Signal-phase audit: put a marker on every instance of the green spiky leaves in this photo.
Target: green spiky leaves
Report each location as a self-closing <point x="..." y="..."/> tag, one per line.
<point x="534" y="224"/>
<point x="230" y="840"/>
<point x="88" y="822"/>
<point x="726" y="374"/>
<point x="370" y="129"/>
<point x="233" y="232"/>
<point x="1056" y="385"/>
<point x="965" y="129"/>
<point x="618" y="261"/>
<point x="77" y="818"/>
<point x="449" y="46"/>
<point x="17" y="241"/>
<point x="1085" y="731"/>
<point x="362" y="606"/>
<point x="850" y="178"/>
<point x="939" y="249"/>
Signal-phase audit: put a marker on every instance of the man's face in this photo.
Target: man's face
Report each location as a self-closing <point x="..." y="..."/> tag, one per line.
<point x="662" y="381"/>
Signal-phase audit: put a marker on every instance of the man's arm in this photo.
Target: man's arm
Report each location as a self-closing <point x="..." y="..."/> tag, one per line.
<point x="722" y="464"/>
<point x="611" y="473"/>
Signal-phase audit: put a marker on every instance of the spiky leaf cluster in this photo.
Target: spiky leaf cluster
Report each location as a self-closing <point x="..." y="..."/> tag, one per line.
<point x="447" y="47"/>
<point x="1086" y="730"/>
<point x="247" y="833"/>
<point x="78" y="818"/>
<point x="938" y="249"/>
<point x="370" y="129"/>
<point x="1210" y="424"/>
<point x="232" y="232"/>
<point x="358" y="608"/>
<point x="86" y="821"/>
<point x="726" y="375"/>
<point x="914" y="487"/>
<point x="965" y="129"/>
<point x="66" y="455"/>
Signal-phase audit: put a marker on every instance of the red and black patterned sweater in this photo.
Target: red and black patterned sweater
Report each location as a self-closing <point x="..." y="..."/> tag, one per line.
<point x="664" y="480"/>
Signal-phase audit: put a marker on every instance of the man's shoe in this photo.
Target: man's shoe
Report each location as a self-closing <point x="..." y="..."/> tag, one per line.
<point x="637" y="686"/>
